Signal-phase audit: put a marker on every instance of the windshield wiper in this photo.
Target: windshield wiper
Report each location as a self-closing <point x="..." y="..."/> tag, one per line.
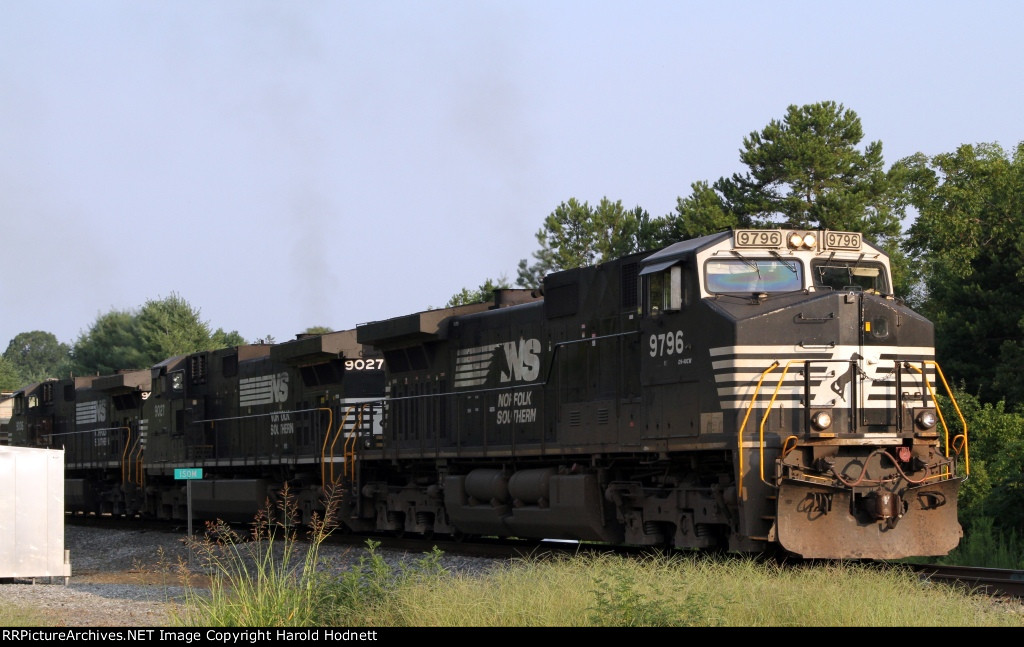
<point x="748" y="263"/>
<point x="792" y="268"/>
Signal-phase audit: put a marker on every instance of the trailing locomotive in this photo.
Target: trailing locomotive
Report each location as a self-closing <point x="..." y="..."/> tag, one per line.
<point x="751" y="391"/>
<point x="251" y="419"/>
<point x="747" y="391"/>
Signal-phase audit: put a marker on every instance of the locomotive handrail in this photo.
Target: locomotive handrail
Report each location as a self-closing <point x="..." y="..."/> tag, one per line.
<point x="345" y="447"/>
<point x="341" y="427"/>
<point x="135" y="461"/>
<point x="349" y="449"/>
<point x="124" y="455"/>
<point x="767" y="412"/>
<point x="938" y="410"/>
<point x="743" y="425"/>
<point x="323" y="449"/>
<point x="140" y="474"/>
<point x="778" y="386"/>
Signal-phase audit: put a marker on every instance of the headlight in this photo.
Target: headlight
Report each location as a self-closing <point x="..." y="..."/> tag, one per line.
<point x="803" y="240"/>
<point x="821" y="420"/>
<point x="926" y="419"/>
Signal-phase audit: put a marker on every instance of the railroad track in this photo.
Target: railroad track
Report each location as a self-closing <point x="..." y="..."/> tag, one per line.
<point x="1000" y="582"/>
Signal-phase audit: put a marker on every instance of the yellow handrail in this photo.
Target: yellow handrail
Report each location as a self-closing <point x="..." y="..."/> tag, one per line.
<point x="767" y="412"/>
<point x="743" y="425"/>
<point x="341" y="427"/>
<point x="349" y="449"/>
<point x="938" y="410"/>
<point x="778" y="386"/>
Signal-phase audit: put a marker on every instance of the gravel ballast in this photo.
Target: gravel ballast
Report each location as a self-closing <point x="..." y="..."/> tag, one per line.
<point x="133" y="577"/>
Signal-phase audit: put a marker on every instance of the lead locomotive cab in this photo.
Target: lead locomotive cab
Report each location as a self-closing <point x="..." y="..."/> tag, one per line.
<point x="823" y="387"/>
<point x="762" y="263"/>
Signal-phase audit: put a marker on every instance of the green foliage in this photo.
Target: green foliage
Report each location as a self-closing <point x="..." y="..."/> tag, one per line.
<point x="482" y="294"/>
<point x="260" y="580"/>
<point x="576" y="234"/>
<point x="317" y="330"/>
<point x="112" y="343"/>
<point x="605" y="591"/>
<point x="270" y="579"/>
<point x="703" y="212"/>
<point x="162" y="328"/>
<point x="626" y="598"/>
<point x="170" y="327"/>
<point x="805" y="170"/>
<point x="10" y="377"/>
<point x="372" y="584"/>
<point x="984" y="546"/>
<point x="222" y="339"/>
<point x="968" y="239"/>
<point x="35" y="356"/>
<point x="994" y="489"/>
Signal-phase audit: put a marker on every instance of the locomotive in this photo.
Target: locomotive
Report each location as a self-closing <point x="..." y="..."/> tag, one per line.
<point x="250" y="419"/>
<point x="751" y="391"/>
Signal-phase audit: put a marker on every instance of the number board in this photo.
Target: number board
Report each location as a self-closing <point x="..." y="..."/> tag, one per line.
<point x="188" y="473"/>
<point x="749" y="238"/>
<point x="845" y="240"/>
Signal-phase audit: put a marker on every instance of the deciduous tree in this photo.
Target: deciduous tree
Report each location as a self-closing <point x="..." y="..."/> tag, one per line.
<point x="162" y="328"/>
<point x="968" y="239"/>
<point x="37" y="355"/>
<point x="576" y="234"/>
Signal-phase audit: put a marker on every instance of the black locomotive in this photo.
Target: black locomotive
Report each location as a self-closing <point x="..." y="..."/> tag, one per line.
<point x="250" y="419"/>
<point x="752" y="390"/>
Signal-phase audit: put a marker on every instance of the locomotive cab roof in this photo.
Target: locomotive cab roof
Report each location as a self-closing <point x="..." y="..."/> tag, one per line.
<point x="678" y="251"/>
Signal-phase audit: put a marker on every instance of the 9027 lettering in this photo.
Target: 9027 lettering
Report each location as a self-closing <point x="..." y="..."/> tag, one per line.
<point x="364" y="364"/>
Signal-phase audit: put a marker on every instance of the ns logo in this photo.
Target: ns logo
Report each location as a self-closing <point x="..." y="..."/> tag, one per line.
<point x="522" y="360"/>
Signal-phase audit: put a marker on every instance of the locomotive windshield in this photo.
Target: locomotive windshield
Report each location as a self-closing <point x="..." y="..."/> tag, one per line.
<point x="850" y="275"/>
<point x="753" y="275"/>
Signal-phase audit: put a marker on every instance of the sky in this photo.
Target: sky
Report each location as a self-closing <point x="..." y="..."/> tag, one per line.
<point x="282" y="165"/>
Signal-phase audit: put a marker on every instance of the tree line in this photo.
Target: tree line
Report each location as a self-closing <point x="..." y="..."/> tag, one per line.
<point x="117" y="340"/>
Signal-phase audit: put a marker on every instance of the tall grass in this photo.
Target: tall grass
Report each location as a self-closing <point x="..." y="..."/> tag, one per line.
<point x="269" y="579"/>
<point x="577" y="591"/>
<point x="697" y="591"/>
<point x="262" y="579"/>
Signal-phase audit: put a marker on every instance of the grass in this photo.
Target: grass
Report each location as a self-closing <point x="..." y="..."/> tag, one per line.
<point x="266" y="582"/>
<point x="20" y="617"/>
<point x="608" y="591"/>
<point x="270" y="579"/>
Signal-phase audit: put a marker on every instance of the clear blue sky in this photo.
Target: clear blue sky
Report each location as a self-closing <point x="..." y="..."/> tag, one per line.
<point x="281" y="165"/>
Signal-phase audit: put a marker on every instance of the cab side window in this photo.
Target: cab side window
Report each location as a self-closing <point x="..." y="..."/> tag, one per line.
<point x="664" y="290"/>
